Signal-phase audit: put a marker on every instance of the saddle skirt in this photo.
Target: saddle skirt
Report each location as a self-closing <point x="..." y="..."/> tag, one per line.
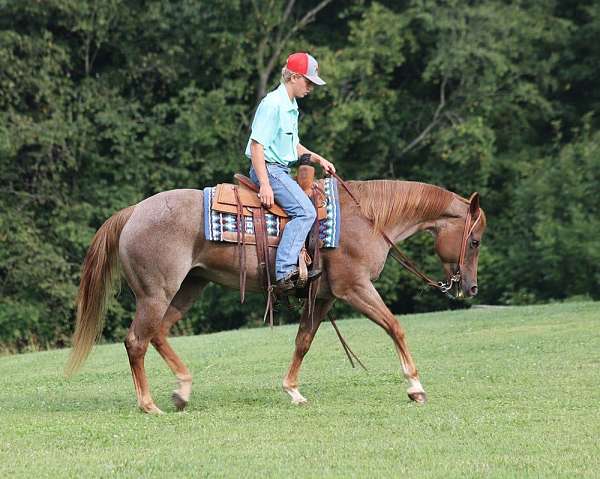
<point x="221" y="214"/>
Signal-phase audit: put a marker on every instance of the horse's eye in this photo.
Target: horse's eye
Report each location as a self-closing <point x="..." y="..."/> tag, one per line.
<point x="475" y="243"/>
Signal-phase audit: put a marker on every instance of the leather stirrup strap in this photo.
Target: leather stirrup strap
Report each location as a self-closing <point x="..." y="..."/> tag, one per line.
<point x="258" y="232"/>
<point x="313" y="287"/>
<point x="262" y="253"/>
<point x="241" y="242"/>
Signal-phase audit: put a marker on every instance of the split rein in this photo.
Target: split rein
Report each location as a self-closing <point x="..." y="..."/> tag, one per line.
<point x="406" y="263"/>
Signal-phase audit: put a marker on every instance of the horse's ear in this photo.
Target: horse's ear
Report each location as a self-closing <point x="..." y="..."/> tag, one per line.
<point x="474" y="203"/>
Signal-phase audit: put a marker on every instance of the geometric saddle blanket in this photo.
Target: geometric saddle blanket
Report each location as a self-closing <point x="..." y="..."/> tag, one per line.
<point x="223" y="226"/>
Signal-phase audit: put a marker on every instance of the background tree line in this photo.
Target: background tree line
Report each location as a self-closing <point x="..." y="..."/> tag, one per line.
<point x="103" y="103"/>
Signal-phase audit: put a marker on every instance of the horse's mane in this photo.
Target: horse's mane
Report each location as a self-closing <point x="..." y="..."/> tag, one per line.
<point x="386" y="201"/>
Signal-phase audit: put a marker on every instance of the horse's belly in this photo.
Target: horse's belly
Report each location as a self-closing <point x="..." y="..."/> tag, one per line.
<point x="227" y="278"/>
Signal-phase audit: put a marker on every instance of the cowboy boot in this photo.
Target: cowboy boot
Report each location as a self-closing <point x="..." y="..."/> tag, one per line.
<point x="287" y="283"/>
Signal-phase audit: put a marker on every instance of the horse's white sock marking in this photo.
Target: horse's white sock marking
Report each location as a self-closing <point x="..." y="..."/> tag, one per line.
<point x="414" y="386"/>
<point x="184" y="384"/>
<point x="297" y="398"/>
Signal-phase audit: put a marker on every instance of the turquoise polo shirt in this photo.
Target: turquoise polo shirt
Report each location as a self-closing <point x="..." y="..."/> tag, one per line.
<point x="275" y="127"/>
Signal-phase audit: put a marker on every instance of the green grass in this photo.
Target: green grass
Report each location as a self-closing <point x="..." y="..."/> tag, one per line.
<point x="514" y="392"/>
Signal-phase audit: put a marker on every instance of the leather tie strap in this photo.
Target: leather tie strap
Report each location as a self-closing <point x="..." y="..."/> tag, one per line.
<point x="241" y="242"/>
<point x="313" y="241"/>
<point x="262" y="252"/>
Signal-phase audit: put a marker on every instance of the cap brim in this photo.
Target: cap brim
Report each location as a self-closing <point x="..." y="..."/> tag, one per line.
<point x="315" y="79"/>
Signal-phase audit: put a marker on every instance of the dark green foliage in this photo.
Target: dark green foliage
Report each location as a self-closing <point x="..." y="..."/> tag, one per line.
<point x="105" y="103"/>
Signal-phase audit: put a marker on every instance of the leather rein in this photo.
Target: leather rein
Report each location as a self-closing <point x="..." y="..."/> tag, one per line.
<point x="406" y="263"/>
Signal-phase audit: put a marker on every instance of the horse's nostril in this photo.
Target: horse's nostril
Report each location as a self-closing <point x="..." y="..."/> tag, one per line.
<point x="473" y="290"/>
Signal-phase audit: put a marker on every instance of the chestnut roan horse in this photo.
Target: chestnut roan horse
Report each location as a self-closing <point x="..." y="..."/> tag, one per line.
<point x="167" y="262"/>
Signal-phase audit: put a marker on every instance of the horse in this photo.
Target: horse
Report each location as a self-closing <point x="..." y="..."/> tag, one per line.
<point x="161" y="248"/>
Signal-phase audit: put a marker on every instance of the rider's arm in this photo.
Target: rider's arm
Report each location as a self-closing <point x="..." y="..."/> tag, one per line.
<point x="264" y="129"/>
<point x="316" y="158"/>
<point x="258" y="162"/>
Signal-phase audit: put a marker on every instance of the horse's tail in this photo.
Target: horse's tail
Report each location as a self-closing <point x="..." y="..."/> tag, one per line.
<point x="95" y="287"/>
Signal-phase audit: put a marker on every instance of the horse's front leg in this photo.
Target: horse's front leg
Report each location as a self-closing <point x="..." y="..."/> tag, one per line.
<point x="365" y="298"/>
<point x="306" y="332"/>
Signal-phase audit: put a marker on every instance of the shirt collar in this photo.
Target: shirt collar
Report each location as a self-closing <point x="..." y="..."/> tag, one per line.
<point x="285" y="99"/>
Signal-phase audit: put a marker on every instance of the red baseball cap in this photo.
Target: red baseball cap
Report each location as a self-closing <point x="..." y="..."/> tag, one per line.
<point x="305" y="65"/>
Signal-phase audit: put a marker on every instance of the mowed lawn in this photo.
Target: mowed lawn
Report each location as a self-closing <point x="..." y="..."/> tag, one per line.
<point x="513" y="392"/>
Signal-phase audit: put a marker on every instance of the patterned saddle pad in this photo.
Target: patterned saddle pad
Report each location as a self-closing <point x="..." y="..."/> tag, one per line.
<point x="222" y="226"/>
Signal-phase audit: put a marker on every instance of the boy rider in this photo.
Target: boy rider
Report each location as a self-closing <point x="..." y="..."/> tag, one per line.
<point x="272" y="147"/>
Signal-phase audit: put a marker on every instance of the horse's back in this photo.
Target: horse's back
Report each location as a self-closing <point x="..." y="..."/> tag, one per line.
<point x="180" y="209"/>
<point x="161" y="236"/>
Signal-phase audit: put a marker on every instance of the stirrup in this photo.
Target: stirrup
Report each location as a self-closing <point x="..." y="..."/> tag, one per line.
<point x="286" y="284"/>
<point x="312" y="275"/>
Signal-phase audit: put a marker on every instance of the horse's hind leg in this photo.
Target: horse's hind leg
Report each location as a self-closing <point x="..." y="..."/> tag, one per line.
<point x="148" y="316"/>
<point x="306" y="332"/>
<point x="365" y="298"/>
<point x="189" y="291"/>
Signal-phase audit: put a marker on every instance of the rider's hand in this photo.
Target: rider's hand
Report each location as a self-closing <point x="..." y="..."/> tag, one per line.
<point x="327" y="165"/>
<point x="266" y="195"/>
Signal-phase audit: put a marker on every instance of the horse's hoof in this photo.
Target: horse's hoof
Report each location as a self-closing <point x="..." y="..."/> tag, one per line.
<point x="179" y="402"/>
<point x="151" y="409"/>
<point x="300" y="402"/>
<point x="418" y="397"/>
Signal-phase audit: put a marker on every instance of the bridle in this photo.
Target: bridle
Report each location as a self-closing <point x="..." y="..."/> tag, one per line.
<point x="468" y="229"/>
<point x="400" y="257"/>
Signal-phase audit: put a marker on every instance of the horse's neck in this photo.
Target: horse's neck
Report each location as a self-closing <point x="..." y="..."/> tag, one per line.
<point x="415" y="213"/>
<point x="404" y="230"/>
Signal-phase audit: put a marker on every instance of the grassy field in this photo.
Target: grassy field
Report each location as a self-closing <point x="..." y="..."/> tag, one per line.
<point x="514" y="392"/>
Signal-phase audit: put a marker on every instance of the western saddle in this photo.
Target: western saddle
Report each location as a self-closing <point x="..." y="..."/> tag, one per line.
<point x="242" y="200"/>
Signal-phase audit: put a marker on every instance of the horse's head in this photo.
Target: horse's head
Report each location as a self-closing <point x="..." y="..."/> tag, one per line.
<point x="457" y="244"/>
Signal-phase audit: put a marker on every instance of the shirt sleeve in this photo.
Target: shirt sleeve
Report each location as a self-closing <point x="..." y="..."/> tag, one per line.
<point x="264" y="126"/>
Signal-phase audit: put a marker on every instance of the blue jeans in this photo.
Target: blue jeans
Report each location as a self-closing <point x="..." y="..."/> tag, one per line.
<point x="301" y="211"/>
